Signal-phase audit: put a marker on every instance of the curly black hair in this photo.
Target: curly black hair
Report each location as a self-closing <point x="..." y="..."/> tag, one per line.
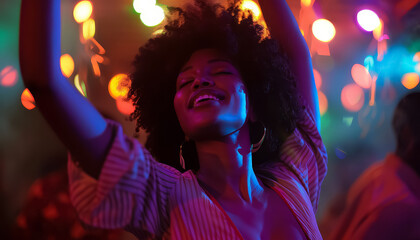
<point x="263" y="67"/>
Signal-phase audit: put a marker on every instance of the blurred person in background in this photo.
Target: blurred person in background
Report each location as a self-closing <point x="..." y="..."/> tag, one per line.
<point x="384" y="202"/>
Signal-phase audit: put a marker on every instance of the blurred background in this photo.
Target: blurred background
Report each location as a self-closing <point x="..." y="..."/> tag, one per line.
<point x="366" y="55"/>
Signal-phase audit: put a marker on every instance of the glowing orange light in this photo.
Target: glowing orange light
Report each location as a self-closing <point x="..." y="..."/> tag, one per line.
<point x="88" y="29"/>
<point x="119" y="85"/>
<point x="67" y="65"/>
<point x="253" y="7"/>
<point x="323" y="103"/>
<point x="352" y="97"/>
<point x="27" y="99"/>
<point x="323" y="30"/>
<point x="95" y="66"/>
<point x="307" y="3"/>
<point x="410" y="80"/>
<point x="361" y="76"/>
<point x="318" y="79"/>
<point x="8" y="76"/>
<point x="82" y="11"/>
<point x="125" y="106"/>
<point x="416" y="57"/>
<point x="379" y="30"/>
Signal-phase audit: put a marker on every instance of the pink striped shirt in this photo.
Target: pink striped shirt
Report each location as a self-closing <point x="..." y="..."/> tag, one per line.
<point x="155" y="201"/>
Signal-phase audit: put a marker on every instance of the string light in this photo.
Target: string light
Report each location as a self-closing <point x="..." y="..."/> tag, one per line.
<point x="8" y="76"/>
<point x="323" y="30"/>
<point x="82" y="11"/>
<point x="368" y="20"/>
<point x="67" y="65"/>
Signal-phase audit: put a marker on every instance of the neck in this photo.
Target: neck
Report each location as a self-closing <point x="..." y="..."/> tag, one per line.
<point x="226" y="167"/>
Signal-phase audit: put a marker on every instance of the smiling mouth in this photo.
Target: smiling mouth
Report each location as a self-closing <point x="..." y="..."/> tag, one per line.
<point x="205" y="97"/>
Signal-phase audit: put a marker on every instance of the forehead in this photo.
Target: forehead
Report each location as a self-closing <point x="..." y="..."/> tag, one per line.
<point x="203" y="57"/>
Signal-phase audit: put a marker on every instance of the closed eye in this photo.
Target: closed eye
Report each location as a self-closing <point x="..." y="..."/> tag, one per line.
<point x="223" y="73"/>
<point x="185" y="82"/>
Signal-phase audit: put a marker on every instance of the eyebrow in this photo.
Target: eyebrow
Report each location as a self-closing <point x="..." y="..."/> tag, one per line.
<point x="210" y="61"/>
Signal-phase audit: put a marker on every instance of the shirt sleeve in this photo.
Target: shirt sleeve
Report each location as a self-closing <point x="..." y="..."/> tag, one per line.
<point x="132" y="190"/>
<point x="305" y="154"/>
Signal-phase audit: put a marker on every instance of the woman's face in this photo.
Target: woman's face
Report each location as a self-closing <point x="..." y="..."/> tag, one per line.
<point x="211" y="99"/>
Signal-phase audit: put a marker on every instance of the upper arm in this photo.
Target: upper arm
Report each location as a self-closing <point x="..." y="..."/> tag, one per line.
<point x="133" y="190"/>
<point x="284" y="28"/>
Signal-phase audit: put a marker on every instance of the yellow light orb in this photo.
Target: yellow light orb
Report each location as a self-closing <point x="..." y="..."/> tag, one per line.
<point x="379" y="30"/>
<point x="253" y="7"/>
<point x="82" y="11"/>
<point x="307" y="3"/>
<point x="27" y="99"/>
<point x="119" y="85"/>
<point x="141" y="6"/>
<point x="67" y="65"/>
<point x="153" y="16"/>
<point x="410" y="80"/>
<point x="89" y="29"/>
<point x="323" y="30"/>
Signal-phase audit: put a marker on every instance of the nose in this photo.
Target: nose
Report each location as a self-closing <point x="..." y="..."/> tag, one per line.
<point x="202" y="81"/>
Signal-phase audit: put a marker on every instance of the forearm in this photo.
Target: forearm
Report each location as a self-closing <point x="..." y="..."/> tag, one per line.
<point x="284" y="29"/>
<point x="76" y="122"/>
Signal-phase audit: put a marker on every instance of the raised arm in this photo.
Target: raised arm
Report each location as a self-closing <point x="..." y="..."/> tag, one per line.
<point x="76" y="122"/>
<point x="284" y="28"/>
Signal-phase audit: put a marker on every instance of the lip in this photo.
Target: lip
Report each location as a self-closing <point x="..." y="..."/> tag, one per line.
<point x="206" y="91"/>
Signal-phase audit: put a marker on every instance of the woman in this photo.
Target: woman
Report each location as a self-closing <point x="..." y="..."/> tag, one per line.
<point x="210" y="91"/>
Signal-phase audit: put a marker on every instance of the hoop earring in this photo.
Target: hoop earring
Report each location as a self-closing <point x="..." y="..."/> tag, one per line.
<point x="181" y="158"/>
<point x="257" y="146"/>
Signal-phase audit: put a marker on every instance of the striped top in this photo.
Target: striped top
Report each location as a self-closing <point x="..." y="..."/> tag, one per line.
<point x="155" y="201"/>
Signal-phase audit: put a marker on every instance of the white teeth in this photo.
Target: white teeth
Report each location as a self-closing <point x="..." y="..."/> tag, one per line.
<point x="204" y="97"/>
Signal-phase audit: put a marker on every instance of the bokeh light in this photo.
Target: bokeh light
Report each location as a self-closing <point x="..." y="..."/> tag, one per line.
<point x="352" y="97"/>
<point x="416" y="57"/>
<point x="89" y="29"/>
<point x="80" y="85"/>
<point x="125" y="107"/>
<point x="361" y="76"/>
<point x="378" y="32"/>
<point x="67" y="65"/>
<point x="323" y="30"/>
<point x="27" y="99"/>
<point x="82" y="11"/>
<point x="119" y="85"/>
<point x="253" y="7"/>
<point x="410" y="80"/>
<point x="369" y="63"/>
<point x="318" y="79"/>
<point x="141" y="6"/>
<point x="341" y="154"/>
<point x="417" y="68"/>
<point x="323" y="103"/>
<point x="307" y="3"/>
<point x="8" y="76"/>
<point x="153" y="16"/>
<point x="368" y="20"/>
